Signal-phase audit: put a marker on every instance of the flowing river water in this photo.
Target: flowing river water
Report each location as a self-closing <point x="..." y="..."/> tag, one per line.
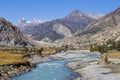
<point x="54" y="69"/>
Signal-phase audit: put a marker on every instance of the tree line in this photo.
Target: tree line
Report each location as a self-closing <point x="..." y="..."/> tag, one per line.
<point x="104" y="47"/>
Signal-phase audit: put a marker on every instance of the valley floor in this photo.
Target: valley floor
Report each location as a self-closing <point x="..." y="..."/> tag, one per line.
<point x="88" y="68"/>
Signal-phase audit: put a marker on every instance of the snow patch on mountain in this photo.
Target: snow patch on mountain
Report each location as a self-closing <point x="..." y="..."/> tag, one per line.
<point x="36" y="21"/>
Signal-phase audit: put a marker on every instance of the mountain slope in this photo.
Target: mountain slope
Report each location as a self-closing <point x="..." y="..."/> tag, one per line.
<point x="109" y="21"/>
<point x="10" y="35"/>
<point x="59" y="28"/>
<point x="103" y="29"/>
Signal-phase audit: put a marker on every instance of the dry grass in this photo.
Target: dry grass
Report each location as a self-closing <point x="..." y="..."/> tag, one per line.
<point x="13" y="55"/>
<point x="48" y="51"/>
<point x="114" y="55"/>
<point x="115" y="67"/>
<point x="9" y="58"/>
<point x="24" y="50"/>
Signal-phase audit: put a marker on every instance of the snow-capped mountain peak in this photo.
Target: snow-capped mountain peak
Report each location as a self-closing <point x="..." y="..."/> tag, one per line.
<point x="22" y="20"/>
<point x="36" y="21"/>
<point x="22" y="23"/>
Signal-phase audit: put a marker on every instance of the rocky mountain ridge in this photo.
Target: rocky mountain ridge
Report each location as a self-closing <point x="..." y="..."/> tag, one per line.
<point x="59" y="28"/>
<point x="10" y="35"/>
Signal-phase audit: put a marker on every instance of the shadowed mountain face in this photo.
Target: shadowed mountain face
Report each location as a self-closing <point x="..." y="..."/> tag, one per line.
<point x="107" y="27"/>
<point x="10" y="35"/>
<point x="59" y="28"/>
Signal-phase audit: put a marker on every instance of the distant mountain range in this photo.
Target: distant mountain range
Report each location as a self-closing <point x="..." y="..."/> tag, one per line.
<point x="56" y="29"/>
<point x="23" y="24"/>
<point x="77" y="29"/>
<point x="101" y="30"/>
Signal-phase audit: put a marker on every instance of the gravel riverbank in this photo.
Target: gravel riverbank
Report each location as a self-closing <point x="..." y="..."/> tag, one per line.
<point x="89" y="69"/>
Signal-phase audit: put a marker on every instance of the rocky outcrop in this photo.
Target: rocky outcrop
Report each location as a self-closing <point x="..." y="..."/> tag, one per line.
<point x="10" y="35"/>
<point x="9" y="71"/>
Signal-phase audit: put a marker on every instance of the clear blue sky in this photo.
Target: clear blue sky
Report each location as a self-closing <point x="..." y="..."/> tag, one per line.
<point x="12" y="10"/>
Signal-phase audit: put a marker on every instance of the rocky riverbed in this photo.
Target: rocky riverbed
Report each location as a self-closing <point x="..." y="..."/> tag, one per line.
<point x="90" y="69"/>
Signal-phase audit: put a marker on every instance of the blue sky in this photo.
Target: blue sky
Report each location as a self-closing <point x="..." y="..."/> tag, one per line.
<point x="12" y="10"/>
